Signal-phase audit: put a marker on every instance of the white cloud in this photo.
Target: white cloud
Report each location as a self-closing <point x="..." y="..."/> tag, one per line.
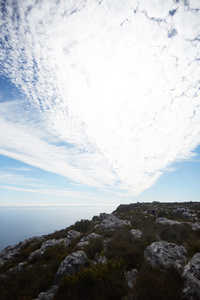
<point x="62" y="193"/>
<point x="119" y="82"/>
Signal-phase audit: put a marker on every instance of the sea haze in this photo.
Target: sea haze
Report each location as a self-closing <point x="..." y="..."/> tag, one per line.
<point x="20" y="223"/>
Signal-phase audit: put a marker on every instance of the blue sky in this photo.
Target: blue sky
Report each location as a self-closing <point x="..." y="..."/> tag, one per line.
<point x="99" y="102"/>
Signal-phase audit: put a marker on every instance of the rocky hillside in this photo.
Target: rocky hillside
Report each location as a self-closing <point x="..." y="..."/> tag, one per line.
<point x="140" y="251"/>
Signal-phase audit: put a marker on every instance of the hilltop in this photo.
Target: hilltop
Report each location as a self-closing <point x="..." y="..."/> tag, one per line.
<point x="140" y="251"/>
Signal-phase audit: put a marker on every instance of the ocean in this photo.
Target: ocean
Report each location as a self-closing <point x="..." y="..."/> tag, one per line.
<point x="20" y="223"/>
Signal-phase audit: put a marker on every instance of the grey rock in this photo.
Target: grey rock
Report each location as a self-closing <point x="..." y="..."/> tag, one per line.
<point x="100" y="259"/>
<point x="105" y="243"/>
<point x="9" y="252"/>
<point x="49" y="243"/>
<point x="86" y="239"/>
<point x="71" y="265"/>
<point x="109" y="221"/>
<point x="187" y="215"/>
<point x="130" y="277"/>
<point x="73" y="234"/>
<point x="192" y="274"/>
<point x="166" y="221"/>
<point x="179" y="210"/>
<point x="48" y="295"/>
<point x="3" y="276"/>
<point x="136" y="233"/>
<point x="18" y="267"/>
<point x="165" y="254"/>
<point x="195" y="226"/>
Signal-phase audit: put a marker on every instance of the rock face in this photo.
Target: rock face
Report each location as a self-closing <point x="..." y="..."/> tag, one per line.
<point x="71" y="265"/>
<point x="86" y="239"/>
<point x="192" y="274"/>
<point x="165" y="254"/>
<point x="109" y="221"/>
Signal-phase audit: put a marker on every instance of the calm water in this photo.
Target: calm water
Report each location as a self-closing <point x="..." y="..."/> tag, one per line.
<point x="20" y="223"/>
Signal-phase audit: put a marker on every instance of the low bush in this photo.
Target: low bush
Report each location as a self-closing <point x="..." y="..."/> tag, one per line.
<point x="82" y="226"/>
<point x="95" y="246"/>
<point x="97" y="282"/>
<point x="174" y="233"/>
<point x="124" y="246"/>
<point x="156" y="283"/>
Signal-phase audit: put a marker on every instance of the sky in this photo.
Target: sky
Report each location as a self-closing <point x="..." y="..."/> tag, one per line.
<point x="99" y="101"/>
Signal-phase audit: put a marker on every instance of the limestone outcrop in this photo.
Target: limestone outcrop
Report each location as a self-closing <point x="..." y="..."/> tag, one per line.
<point x="86" y="239"/>
<point x="110" y="221"/>
<point x="49" y="243"/>
<point x="165" y="254"/>
<point x="71" y="265"/>
<point x="72" y="234"/>
<point x="192" y="274"/>
<point x="9" y="252"/>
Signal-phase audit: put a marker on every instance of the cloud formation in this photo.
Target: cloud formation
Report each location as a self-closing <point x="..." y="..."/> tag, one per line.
<point x="113" y="87"/>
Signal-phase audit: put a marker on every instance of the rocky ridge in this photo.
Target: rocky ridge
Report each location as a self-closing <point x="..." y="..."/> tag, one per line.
<point x="131" y="237"/>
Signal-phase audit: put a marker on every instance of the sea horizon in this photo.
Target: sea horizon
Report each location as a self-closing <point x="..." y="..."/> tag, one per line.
<point x="18" y="223"/>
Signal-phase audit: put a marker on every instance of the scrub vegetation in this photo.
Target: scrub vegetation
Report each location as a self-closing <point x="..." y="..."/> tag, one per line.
<point x="110" y="257"/>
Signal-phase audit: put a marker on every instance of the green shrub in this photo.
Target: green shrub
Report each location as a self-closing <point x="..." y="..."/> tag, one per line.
<point x="155" y="283"/>
<point x="174" y="233"/>
<point x="95" y="246"/>
<point x="97" y="282"/>
<point x="124" y="247"/>
<point x="82" y="226"/>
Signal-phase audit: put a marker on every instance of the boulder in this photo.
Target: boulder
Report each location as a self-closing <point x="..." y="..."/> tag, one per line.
<point x="71" y="265"/>
<point x="136" y="233"/>
<point x="86" y="239"/>
<point x="109" y="221"/>
<point x="165" y="254"/>
<point x="192" y="274"/>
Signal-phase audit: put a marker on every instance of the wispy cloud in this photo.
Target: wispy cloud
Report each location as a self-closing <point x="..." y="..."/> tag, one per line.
<point x="113" y="87"/>
<point x="62" y="193"/>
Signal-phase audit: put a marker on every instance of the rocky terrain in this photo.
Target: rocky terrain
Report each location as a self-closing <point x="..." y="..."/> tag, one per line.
<point x="140" y="251"/>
